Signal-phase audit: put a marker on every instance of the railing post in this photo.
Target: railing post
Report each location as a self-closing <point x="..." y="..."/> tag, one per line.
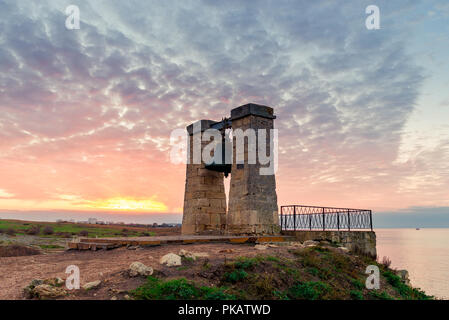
<point x="282" y="207"/>
<point x="310" y="222"/>
<point x="324" y="221"/>
<point x="294" y="218"/>
<point x="371" y="219"/>
<point x="349" y="221"/>
<point x="338" y="220"/>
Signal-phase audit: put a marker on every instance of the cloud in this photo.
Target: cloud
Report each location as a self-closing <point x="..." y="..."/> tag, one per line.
<point x="89" y="112"/>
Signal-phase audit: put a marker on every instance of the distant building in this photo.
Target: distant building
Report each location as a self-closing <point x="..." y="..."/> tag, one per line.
<point x="92" y="220"/>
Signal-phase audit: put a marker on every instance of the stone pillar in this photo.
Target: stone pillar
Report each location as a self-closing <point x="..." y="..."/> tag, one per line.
<point x="253" y="205"/>
<point x="204" y="198"/>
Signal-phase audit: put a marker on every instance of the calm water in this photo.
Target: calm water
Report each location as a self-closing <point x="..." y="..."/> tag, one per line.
<point x="424" y="253"/>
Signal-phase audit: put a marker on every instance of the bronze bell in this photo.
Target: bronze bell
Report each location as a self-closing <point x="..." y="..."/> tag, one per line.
<point x="222" y="151"/>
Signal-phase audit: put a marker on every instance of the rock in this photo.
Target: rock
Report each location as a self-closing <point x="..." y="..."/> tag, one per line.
<point x="30" y="292"/>
<point x="171" y="260"/>
<point x="201" y="255"/>
<point x="310" y="243"/>
<point x="260" y="247"/>
<point x="271" y="245"/>
<point x="404" y="275"/>
<point x="187" y="254"/>
<point x="127" y="297"/>
<point x="114" y="298"/>
<point x="36" y="282"/>
<point x="193" y="255"/>
<point x="46" y="291"/>
<point x="91" y="285"/>
<point x="139" y="269"/>
<point x="296" y="244"/>
<point x="226" y="251"/>
<point x="343" y="249"/>
<point x="134" y="247"/>
<point x="56" y="282"/>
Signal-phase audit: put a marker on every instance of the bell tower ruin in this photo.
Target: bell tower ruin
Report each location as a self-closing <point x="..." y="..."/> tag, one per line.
<point x="253" y="205"/>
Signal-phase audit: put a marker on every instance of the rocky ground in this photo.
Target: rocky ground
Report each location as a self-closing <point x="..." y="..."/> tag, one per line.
<point x="243" y="271"/>
<point x="107" y="266"/>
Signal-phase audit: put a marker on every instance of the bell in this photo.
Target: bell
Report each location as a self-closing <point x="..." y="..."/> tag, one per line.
<point x="222" y="152"/>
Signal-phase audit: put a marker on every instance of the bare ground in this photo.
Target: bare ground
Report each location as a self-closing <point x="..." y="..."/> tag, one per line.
<point x="108" y="266"/>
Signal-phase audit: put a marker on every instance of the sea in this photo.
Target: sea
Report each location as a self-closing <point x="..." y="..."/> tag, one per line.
<point x="424" y="253"/>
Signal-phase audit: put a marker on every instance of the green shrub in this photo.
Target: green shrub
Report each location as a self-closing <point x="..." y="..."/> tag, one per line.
<point x="188" y="259"/>
<point x="168" y="290"/>
<point x="177" y="289"/>
<point x="245" y="263"/>
<point x="380" y="295"/>
<point x="321" y="249"/>
<point x="273" y="259"/>
<point x="313" y="271"/>
<point x="404" y="290"/>
<point x="280" y="295"/>
<point x="358" y="284"/>
<point x="235" y="276"/>
<point x="356" y="294"/>
<point x="216" y="294"/>
<point x="309" y="290"/>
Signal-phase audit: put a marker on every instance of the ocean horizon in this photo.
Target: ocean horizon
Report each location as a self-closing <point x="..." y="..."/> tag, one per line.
<point x="423" y="253"/>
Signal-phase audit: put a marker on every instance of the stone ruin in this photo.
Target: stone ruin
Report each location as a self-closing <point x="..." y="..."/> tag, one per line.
<point x="253" y="208"/>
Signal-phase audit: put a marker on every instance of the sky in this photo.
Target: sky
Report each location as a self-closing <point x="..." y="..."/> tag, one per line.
<point x="86" y="115"/>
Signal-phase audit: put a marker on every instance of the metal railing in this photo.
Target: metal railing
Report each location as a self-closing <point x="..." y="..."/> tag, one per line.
<point x="300" y="217"/>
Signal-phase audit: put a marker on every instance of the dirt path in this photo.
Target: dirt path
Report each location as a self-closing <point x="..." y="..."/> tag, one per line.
<point x="17" y="272"/>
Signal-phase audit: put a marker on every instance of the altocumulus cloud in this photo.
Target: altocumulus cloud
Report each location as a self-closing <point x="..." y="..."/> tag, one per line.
<point x="101" y="101"/>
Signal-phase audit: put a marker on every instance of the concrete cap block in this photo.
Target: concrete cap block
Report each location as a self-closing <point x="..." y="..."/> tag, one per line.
<point x="205" y="124"/>
<point x="252" y="109"/>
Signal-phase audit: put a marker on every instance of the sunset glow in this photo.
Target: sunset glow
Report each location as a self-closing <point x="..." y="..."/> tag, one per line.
<point x="129" y="204"/>
<point x="86" y="115"/>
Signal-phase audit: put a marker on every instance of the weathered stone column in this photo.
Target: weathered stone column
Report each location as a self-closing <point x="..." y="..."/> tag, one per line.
<point x="253" y="205"/>
<point x="204" y="198"/>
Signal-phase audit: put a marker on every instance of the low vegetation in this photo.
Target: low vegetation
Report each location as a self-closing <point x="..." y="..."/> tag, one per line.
<point x="157" y="289"/>
<point x="312" y="273"/>
<point x="68" y="230"/>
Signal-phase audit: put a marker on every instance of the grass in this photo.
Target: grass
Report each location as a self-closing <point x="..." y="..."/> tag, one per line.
<point x="238" y="269"/>
<point x="178" y="289"/>
<point x="55" y="230"/>
<point x="181" y="268"/>
<point x="310" y="274"/>
<point x="405" y="291"/>
<point x="235" y="276"/>
<point x="358" y="284"/>
<point x="380" y="295"/>
<point x="246" y="263"/>
<point x="356" y="295"/>
<point x="309" y="290"/>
